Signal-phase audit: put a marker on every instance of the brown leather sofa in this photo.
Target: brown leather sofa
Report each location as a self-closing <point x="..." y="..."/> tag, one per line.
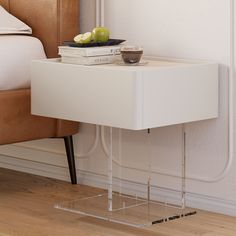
<point x="52" y="22"/>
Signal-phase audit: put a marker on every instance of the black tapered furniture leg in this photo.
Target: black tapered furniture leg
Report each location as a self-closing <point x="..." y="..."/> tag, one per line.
<point x="71" y="158"/>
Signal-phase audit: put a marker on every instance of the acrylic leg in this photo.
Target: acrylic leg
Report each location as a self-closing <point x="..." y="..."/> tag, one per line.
<point x="110" y="174"/>
<point x="149" y="164"/>
<point x="183" y="177"/>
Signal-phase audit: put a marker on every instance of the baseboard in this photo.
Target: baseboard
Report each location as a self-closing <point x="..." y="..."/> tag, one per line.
<point x="33" y="167"/>
<point x="97" y="180"/>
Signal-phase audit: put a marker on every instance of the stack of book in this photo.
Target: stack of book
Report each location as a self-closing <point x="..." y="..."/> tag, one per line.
<point x="89" y="55"/>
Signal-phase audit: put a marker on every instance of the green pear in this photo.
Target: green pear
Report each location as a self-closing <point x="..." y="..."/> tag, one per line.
<point x="100" y="34"/>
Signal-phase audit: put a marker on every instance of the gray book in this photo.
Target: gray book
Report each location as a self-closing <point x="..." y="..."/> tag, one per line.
<point x="96" y="60"/>
<point x="89" y="51"/>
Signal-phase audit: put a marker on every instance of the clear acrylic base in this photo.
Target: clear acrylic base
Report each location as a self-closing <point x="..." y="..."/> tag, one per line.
<point x="128" y="210"/>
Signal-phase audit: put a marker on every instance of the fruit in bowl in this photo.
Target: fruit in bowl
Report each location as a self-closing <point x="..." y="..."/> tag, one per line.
<point x="100" y="34"/>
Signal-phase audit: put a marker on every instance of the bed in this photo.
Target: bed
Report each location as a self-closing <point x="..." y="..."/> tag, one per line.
<point x="52" y="21"/>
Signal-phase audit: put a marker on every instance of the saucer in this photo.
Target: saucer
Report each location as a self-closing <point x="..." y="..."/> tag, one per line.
<point x="141" y="63"/>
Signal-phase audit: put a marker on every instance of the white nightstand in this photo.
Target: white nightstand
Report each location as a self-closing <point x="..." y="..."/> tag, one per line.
<point x="163" y="92"/>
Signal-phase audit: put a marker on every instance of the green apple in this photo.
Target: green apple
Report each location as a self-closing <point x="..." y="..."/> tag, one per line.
<point x="83" y="38"/>
<point x="100" y="34"/>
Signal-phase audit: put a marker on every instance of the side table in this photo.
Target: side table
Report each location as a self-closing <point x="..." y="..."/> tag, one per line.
<point x="162" y="92"/>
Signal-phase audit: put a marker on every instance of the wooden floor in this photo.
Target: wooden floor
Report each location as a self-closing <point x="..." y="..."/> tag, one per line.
<point x="26" y="208"/>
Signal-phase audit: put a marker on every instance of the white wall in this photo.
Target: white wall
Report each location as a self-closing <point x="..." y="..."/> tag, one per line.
<point x="181" y="28"/>
<point x="87" y="15"/>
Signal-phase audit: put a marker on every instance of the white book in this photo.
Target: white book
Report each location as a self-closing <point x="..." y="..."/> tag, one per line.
<point x="88" y="51"/>
<point x="98" y="60"/>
